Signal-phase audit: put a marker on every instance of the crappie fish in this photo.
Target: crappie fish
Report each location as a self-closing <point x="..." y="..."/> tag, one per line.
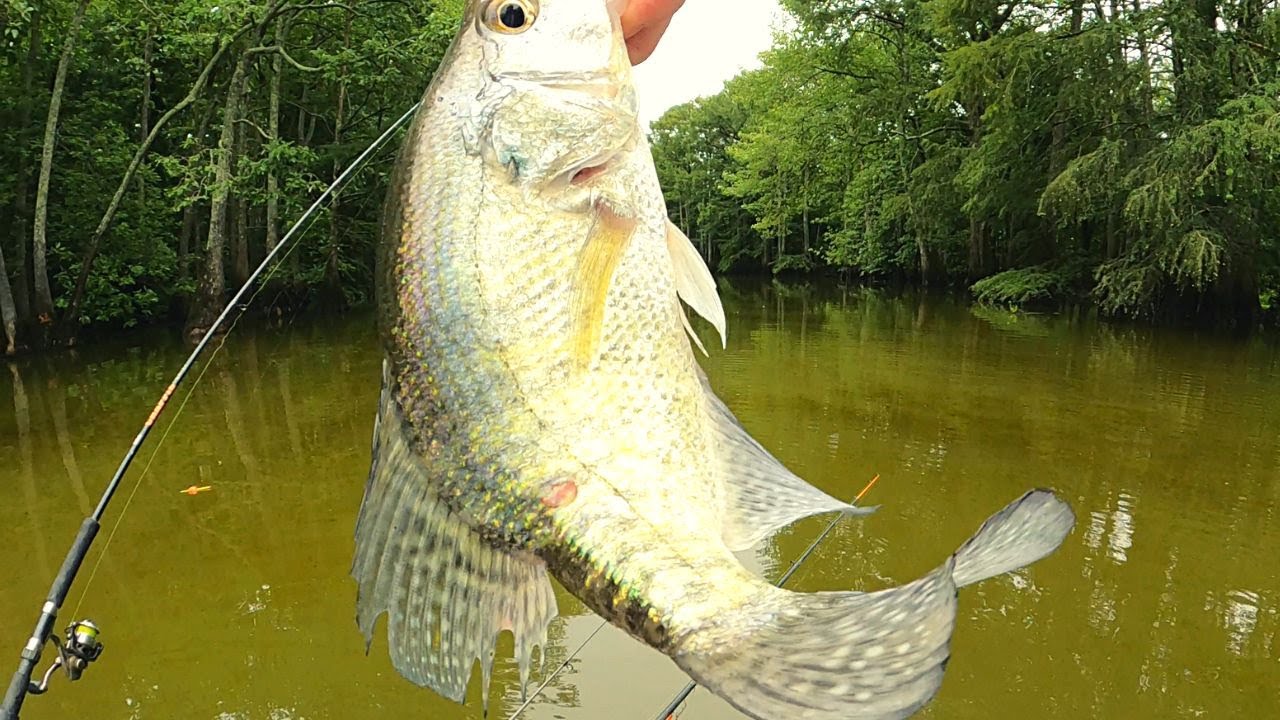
<point x="542" y="409"/>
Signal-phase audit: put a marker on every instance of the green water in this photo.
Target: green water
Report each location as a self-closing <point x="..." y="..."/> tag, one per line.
<point x="235" y="604"/>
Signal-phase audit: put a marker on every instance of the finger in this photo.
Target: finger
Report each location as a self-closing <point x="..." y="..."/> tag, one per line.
<point x="639" y="14"/>
<point x="642" y="44"/>
<point x="644" y="22"/>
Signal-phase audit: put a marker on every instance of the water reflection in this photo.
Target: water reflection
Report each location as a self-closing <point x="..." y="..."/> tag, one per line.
<point x="236" y="604"/>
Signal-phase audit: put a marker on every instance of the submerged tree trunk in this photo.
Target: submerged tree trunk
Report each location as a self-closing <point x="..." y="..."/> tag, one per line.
<point x="39" y="242"/>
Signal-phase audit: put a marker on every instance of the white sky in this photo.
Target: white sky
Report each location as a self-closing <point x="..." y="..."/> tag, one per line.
<point x="709" y="42"/>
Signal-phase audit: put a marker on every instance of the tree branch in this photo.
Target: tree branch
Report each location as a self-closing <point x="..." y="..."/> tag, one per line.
<point x="844" y="73"/>
<point x="284" y="54"/>
<point x="255" y="126"/>
<point x="71" y="317"/>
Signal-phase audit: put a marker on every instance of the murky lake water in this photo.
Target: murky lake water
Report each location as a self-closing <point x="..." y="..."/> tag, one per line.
<point x="235" y="604"/>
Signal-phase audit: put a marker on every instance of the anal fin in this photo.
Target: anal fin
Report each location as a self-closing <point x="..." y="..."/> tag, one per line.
<point x="762" y="495"/>
<point x="447" y="593"/>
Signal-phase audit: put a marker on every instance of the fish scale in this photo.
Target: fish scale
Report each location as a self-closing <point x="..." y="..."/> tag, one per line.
<point x="543" y="411"/>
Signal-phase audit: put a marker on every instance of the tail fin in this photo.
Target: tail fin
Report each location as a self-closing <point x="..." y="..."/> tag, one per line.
<point x="863" y="655"/>
<point x="1025" y="531"/>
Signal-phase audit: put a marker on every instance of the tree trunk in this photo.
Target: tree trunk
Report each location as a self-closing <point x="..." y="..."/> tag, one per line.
<point x="104" y="223"/>
<point x="981" y="259"/>
<point x="303" y="137"/>
<point x="145" y="120"/>
<point x="1112" y="237"/>
<point x="1148" y="93"/>
<point x="333" y="279"/>
<point x="212" y="287"/>
<point x="805" y="202"/>
<point x="930" y="263"/>
<point x="184" y="239"/>
<point x="22" y="178"/>
<point x="240" y="231"/>
<point x="273" y="132"/>
<point x="39" y="265"/>
<point x="8" y="313"/>
<point x="191" y="213"/>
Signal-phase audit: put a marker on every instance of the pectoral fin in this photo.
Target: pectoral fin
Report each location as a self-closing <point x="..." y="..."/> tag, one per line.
<point x="693" y="280"/>
<point x="605" y="245"/>
<point x="447" y="593"/>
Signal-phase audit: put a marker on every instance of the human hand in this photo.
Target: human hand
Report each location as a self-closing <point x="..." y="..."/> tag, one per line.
<point x="643" y="23"/>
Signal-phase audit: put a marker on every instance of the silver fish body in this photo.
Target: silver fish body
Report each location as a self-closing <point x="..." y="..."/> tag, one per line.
<point x="543" y="410"/>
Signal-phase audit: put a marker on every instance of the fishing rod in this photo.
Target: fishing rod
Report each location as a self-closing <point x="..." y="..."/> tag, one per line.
<point x="681" y="696"/>
<point x="81" y="645"/>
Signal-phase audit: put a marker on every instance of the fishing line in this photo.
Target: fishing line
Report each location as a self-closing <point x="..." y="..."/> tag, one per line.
<point x="177" y="414"/>
<point x="669" y="711"/>
<point x="310" y="219"/>
<point x="684" y="694"/>
<point x="529" y="700"/>
<point x="21" y="683"/>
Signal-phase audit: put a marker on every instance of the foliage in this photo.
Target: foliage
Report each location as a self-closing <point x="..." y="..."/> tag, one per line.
<point x="1125" y="152"/>
<point x="1024" y="286"/>
<point x="1129" y="153"/>
<point x="133" y="63"/>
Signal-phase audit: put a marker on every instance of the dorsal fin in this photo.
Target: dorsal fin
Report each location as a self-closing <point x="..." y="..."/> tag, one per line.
<point x="697" y="341"/>
<point x="762" y="496"/>
<point x="693" y="280"/>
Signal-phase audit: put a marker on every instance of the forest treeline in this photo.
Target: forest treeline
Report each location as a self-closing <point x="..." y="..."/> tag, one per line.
<point x="1119" y="152"/>
<point x="1123" y="151"/>
<point x="157" y="149"/>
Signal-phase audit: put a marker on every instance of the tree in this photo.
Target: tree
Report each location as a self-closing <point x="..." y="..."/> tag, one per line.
<point x="1121" y="153"/>
<point x="39" y="244"/>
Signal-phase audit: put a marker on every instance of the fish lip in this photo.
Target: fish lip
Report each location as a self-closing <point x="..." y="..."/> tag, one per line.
<point x="592" y="169"/>
<point x="586" y="172"/>
<point x="602" y="85"/>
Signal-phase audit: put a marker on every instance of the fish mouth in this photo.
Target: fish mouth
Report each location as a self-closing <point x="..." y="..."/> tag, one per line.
<point x="599" y="85"/>
<point x="586" y="174"/>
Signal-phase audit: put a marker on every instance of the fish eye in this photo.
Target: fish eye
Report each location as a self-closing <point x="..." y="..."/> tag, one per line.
<point x="510" y="17"/>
